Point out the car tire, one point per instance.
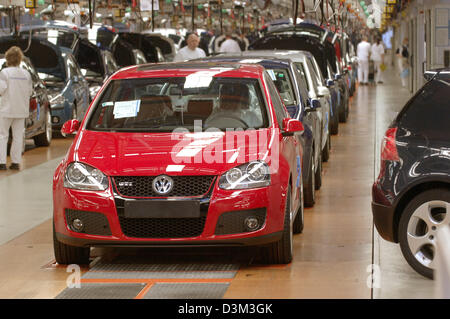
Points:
(45, 138)
(281, 252)
(334, 128)
(310, 186)
(414, 228)
(318, 177)
(326, 150)
(343, 112)
(66, 255)
(299, 220)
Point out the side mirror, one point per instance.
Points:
(322, 91)
(70, 127)
(291, 126)
(313, 105)
(337, 77)
(330, 83)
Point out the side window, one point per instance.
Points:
(314, 74)
(303, 83)
(75, 68)
(318, 71)
(428, 113)
(71, 69)
(279, 108)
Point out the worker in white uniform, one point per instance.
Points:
(16, 88)
(363, 53)
(191, 51)
(230, 45)
(377, 55)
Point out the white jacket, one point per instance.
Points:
(230, 46)
(16, 88)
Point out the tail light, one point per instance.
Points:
(389, 146)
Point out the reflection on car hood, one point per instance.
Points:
(140, 154)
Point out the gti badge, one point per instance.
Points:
(125, 184)
(162, 184)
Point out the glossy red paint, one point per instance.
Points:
(151, 154)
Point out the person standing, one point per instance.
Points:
(191, 51)
(16, 88)
(403, 61)
(377, 55)
(363, 53)
(230, 45)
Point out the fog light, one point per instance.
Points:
(55, 119)
(77, 225)
(251, 223)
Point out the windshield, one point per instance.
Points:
(166, 104)
(282, 80)
(61, 38)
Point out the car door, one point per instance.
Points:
(40, 94)
(79, 86)
(324, 101)
(291, 146)
(309, 118)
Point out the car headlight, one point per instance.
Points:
(57, 100)
(250, 175)
(84, 177)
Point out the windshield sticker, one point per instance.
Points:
(126, 109)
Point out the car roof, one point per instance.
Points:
(183, 69)
(251, 59)
(437, 74)
(294, 55)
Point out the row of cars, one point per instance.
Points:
(225, 150)
(69, 65)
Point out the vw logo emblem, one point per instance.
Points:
(162, 184)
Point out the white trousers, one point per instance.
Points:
(379, 73)
(363, 71)
(18, 130)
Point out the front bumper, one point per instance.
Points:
(220, 202)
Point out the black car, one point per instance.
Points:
(38, 125)
(411, 197)
(96, 64)
(296, 38)
(136, 41)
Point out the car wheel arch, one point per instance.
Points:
(409, 194)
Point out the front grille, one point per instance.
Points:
(183, 186)
(93, 223)
(162, 227)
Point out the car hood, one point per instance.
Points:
(138, 154)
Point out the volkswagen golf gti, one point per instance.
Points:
(181, 154)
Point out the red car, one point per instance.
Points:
(181, 154)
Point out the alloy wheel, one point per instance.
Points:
(422, 228)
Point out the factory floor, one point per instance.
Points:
(333, 257)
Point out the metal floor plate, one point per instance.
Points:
(102, 291)
(158, 275)
(187, 291)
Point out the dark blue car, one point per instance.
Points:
(292, 87)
